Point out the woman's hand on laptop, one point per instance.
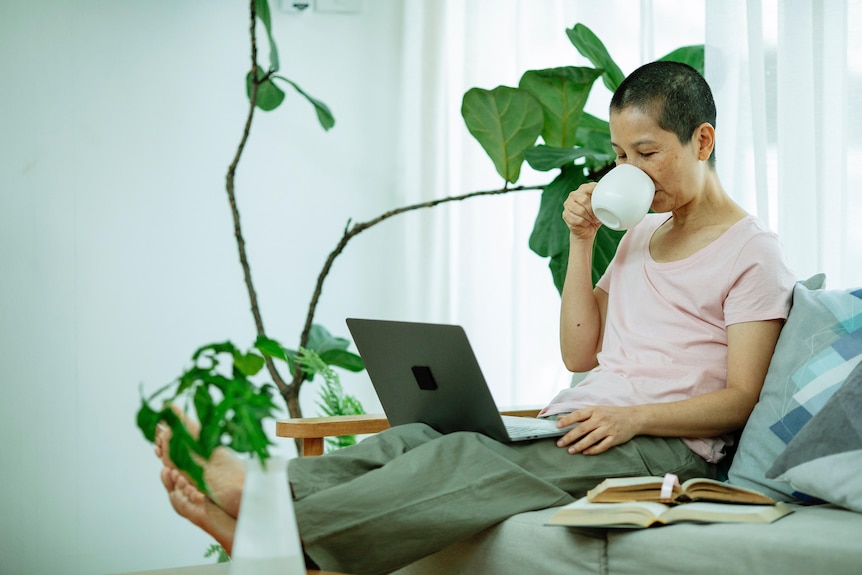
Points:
(598, 428)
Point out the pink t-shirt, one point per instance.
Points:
(666, 328)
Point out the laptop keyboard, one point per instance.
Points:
(527, 426)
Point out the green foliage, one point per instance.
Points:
(261, 8)
(588, 44)
(506, 122)
(576, 143)
(550, 236)
(562, 93)
(324, 116)
(219, 552)
(269, 95)
(331, 349)
(333, 400)
(229, 406)
(692, 55)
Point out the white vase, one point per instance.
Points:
(267, 539)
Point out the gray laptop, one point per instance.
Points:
(428, 373)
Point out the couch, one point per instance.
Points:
(802, 444)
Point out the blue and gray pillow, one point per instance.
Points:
(820, 345)
(825, 457)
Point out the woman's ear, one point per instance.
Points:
(704, 140)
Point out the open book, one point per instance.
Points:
(583, 513)
(620, 489)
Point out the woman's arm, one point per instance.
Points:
(582, 312)
(750, 347)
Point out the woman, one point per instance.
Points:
(695, 299)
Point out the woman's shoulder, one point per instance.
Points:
(751, 234)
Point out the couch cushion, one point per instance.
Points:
(521, 544)
(819, 346)
(818, 539)
(825, 458)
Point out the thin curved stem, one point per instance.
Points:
(352, 231)
(231, 193)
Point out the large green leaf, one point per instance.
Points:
(594, 50)
(247, 434)
(691, 55)
(544, 158)
(550, 234)
(595, 133)
(210, 431)
(324, 115)
(261, 8)
(212, 349)
(550, 237)
(604, 248)
(505, 121)
(148, 419)
(248, 363)
(562, 93)
(320, 340)
(269, 96)
(183, 448)
(270, 348)
(343, 359)
(331, 349)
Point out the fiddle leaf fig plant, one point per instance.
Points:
(572, 141)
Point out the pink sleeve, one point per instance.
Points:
(760, 284)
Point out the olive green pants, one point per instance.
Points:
(409, 491)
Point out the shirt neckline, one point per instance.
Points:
(696, 255)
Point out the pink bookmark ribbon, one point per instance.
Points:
(667, 486)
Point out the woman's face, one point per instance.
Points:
(674, 168)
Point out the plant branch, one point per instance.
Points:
(352, 231)
(231, 194)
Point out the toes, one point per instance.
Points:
(192, 426)
(194, 495)
(168, 478)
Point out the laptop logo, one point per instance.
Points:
(423, 376)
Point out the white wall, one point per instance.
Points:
(118, 122)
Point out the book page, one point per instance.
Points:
(726, 512)
(709, 488)
(583, 507)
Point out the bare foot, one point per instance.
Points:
(190, 503)
(224, 472)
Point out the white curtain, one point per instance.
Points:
(786, 74)
(469, 263)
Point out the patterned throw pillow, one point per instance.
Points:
(819, 346)
(825, 458)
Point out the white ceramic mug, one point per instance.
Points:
(622, 197)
